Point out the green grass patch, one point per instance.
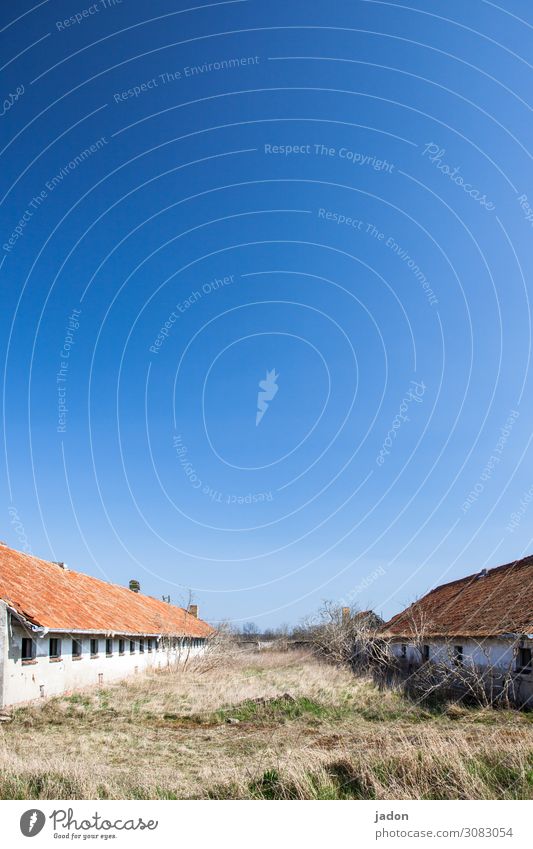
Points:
(338, 780)
(502, 778)
(30, 785)
(280, 710)
(79, 699)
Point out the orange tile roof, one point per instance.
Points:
(49, 596)
(490, 603)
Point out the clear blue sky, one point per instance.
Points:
(334, 199)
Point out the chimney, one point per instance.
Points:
(345, 615)
(193, 610)
(135, 586)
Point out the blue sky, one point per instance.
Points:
(339, 195)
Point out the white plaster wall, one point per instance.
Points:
(493, 652)
(3, 648)
(23, 681)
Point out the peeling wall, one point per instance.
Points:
(3, 649)
(487, 652)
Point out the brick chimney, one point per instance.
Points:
(345, 615)
(193, 610)
(135, 586)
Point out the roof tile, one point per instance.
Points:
(489, 603)
(59, 599)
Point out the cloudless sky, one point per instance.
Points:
(195, 196)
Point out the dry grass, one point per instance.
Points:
(167, 736)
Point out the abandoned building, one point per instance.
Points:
(60, 629)
(482, 622)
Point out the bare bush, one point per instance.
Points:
(448, 676)
(343, 635)
(484, 683)
(220, 650)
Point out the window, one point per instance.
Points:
(404, 650)
(523, 661)
(141, 646)
(76, 648)
(109, 647)
(94, 648)
(121, 646)
(149, 641)
(132, 646)
(425, 653)
(458, 655)
(54, 648)
(28, 649)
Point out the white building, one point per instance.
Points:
(61, 630)
(478, 625)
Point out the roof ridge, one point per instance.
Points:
(70, 571)
(71, 600)
(490, 601)
(512, 564)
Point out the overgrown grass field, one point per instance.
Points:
(261, 726)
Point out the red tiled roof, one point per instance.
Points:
(489, 603)
(47, 595)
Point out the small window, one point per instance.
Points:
(28, 649)
(458, 656)
(404, 650)
(55, 648)
(121, 646)
(132, 646)
(109, 647)
(425, 653)
(141, 646)
(149, 641)
(94, 648)
(523, 661)
(76, 648)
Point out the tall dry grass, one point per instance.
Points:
(228, 730)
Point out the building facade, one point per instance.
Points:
(61, 630)
(479, 625)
